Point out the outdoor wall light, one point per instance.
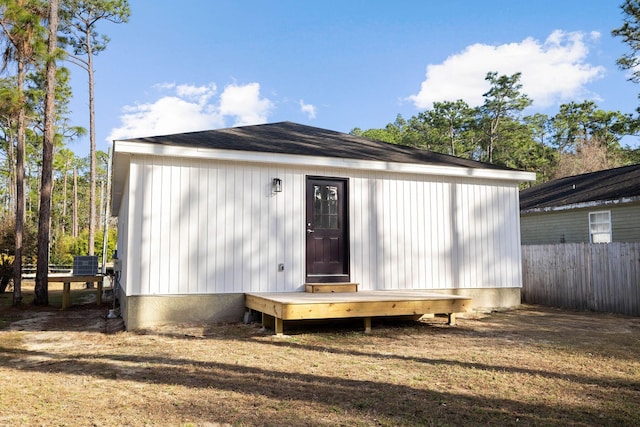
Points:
(276, 185)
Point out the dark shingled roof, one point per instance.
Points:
(293, 138)
(610, 184)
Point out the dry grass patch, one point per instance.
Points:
(534, 366)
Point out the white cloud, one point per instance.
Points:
(553, 71)
(308, 109)
(199, 94)
(245, 104)
(189, 108)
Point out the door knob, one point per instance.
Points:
(309, 231)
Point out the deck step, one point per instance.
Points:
(330, 287)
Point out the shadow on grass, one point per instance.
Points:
(82, 314)
(341, 331)
(395, 403)
(399, 403)
(604, 334)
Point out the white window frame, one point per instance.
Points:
(603, 236)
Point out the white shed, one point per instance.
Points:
(205, 217)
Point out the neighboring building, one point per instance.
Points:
(596, 207)
(204, 217)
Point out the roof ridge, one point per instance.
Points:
(299, 139)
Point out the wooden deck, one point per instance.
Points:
(276, 307)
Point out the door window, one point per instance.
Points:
(325, 207)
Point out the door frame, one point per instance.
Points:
(345, 276)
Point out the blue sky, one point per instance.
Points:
(206, 64)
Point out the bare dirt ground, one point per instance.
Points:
(532, 366)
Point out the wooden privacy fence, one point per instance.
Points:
(598, 277)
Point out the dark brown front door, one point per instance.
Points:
(327, 230)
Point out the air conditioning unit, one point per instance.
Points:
(85, 265)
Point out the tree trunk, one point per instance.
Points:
(12, 173)
(493, 136)
(20, 189)
(44, 223)
(74, 225)
(63, 227)
(452, 140)
(92, 147)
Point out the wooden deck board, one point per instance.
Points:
(330, 287)
(366, 304)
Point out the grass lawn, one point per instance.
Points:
(533, 366)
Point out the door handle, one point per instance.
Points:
(309, 231)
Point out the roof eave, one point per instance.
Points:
(122, 147)
(581, 205)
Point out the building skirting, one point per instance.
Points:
(488, 299)
(141, 312)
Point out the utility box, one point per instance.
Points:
(85, 265)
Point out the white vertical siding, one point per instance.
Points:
(435, 233)
(200, 226)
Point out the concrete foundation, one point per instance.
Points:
(488, 299)
(141, 312)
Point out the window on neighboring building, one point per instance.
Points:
(600, 227)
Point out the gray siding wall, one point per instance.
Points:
(572, 226)
(626, 223)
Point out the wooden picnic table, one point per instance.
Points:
(66, 281)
